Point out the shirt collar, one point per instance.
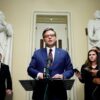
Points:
(53, 49)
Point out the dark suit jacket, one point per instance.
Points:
(61, 65)
(5, 80)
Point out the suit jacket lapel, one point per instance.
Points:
(44, 56)
(56, 56)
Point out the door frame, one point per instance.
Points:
(69, 39)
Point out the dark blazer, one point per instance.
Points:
(61, 65)
(5, 80)
(89, 86)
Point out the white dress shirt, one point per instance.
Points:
(53, 51)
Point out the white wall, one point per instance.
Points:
(20, 14)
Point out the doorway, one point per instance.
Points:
(59, 21)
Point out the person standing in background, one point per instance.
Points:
(97, 72)
(60, 67)
(87, 76)
(5, 80)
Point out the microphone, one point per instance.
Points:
(49, 61)
(46, 69)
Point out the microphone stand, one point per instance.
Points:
(46, 69)
(46, 78)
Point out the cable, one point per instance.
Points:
(46, 93)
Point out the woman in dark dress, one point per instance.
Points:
(86, 76)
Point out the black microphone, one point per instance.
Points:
(49, 61)
(46, 69)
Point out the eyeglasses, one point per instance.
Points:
(51, 35)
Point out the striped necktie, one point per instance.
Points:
(50, 56)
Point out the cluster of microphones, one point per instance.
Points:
(46, 69)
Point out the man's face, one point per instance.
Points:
(92, 56)
(49, 38)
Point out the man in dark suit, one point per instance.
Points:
(60, 67)
(5, 80)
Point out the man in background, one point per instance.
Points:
(5, 80)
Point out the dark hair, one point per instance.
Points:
(88, 62)
(48, 29)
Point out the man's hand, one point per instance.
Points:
(40, 75)
(58, 76)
